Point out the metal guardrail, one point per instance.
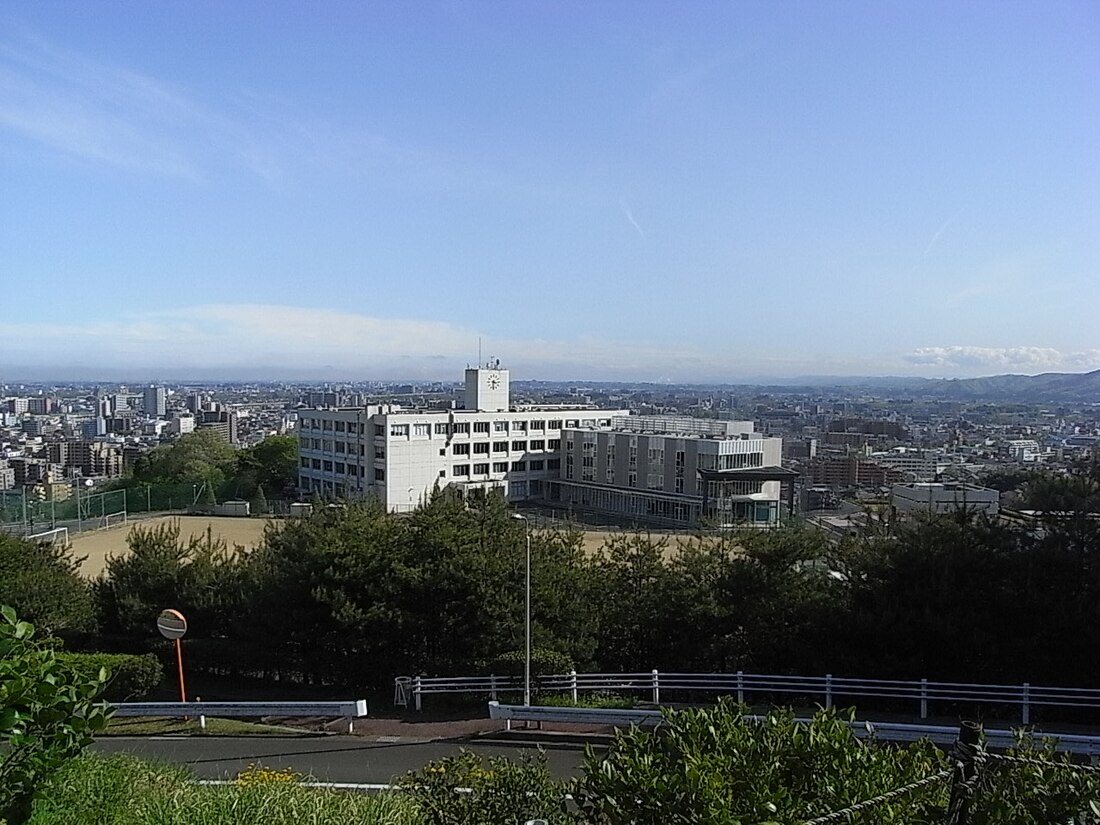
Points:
(997, 739)
(351, 710)
(828, 689)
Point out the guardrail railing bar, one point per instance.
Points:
(828, 687)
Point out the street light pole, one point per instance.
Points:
(527, 612)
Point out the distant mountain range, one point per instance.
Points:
(1046, 387)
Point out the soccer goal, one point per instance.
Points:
(59, 536)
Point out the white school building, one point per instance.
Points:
(400, 455)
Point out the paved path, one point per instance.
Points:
(325, 758)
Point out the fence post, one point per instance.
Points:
(740, 687)
(573, 684)
(656, 687)
(416, 693)
(493, 686)
(1026, 709)
(828, 690)
(965, 754)
(923, 698)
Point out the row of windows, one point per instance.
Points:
(481, 427)
(456, 428)
(483, 447)
(338, 467)
(331, 426)
(463, 470)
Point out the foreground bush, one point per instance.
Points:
(123, 790)
(48, 714)
(465, 790)
(713, 767)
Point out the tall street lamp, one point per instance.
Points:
(527, 613)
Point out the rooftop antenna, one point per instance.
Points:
(479, 352)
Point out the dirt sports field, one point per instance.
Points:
(97, 545)
(246, 532)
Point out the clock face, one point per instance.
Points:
(493, 381)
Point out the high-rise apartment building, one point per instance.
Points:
(155, 401)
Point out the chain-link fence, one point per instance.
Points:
(974, 779)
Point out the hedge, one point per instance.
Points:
(131, 677)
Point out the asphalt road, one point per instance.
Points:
(325, 758)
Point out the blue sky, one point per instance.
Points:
(658, 191)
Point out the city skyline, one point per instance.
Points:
(608, 192)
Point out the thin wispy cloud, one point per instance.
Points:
(628, 213)
(100, 112)
(215, 335)
(936, 237)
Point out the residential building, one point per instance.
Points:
(155, 401)
(223, 421)
(1025, 450)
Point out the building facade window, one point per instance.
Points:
(460, 470)
(481, 469)
(500, 466)
(461, 449)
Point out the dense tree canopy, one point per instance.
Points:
(40, 581)
(355, 595)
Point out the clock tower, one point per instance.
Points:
(487, 388)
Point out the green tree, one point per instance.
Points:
(195, 457)
(48, 714)
(259, 505)
(42, 582)
(272, 464)
(199, 576)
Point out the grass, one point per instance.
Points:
(160, 725)
(124, 790)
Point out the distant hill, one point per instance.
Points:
(1047, 387)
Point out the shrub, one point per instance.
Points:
(129, 677)
(711, 767)
(464, 790)
(544, 662)
(48, 713)
(605, 701)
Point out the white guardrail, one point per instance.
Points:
(827, 689)
(998, 739)
(351, 710)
